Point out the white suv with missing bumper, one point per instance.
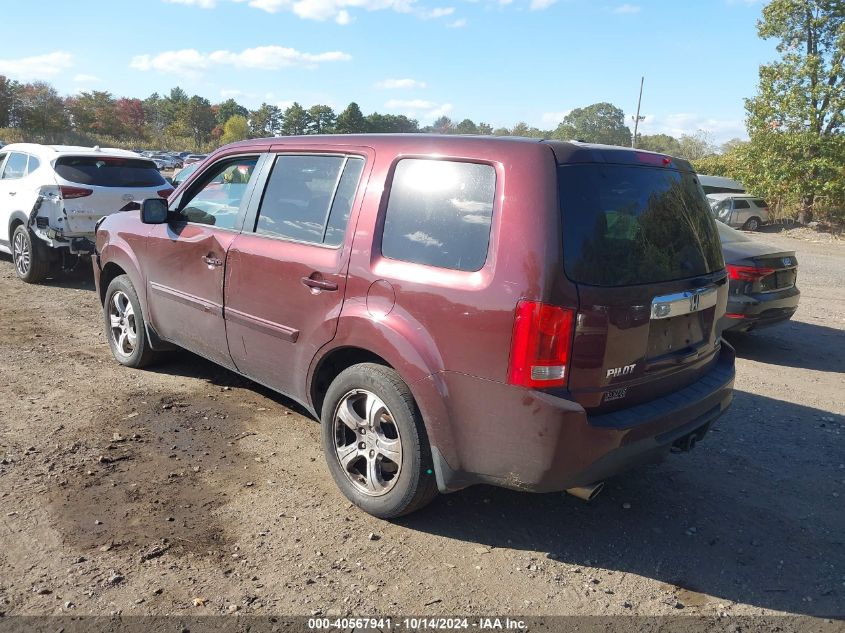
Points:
(51, 197)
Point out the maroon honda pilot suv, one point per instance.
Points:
(538, 315)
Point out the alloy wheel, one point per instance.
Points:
(367, 442)
(22, 254)
(122, 324)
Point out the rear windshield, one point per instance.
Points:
(625, 225)
(109, 172)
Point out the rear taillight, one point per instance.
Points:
(748, 273)
(69, 193)
(542, 338)
(164, 193)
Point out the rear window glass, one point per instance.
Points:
(109, 172)
(760, 203)
(439, 213)
(627, 225)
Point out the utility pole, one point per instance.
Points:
(638, 118)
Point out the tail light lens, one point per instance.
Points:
(748, 273)
(542, 339)
(69, 193)
(164, 193)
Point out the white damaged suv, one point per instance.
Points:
(52, 196)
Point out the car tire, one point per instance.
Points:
(29, 255)
(751, 224)
(384, 464)
(125, 325)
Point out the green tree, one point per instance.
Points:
(390, 124)
(235, 129)
(41, 113)
(295, 121)
(597, 123)
(663, 143)
(485, 128)
(443, 125)
(467, 126)
(695, 146)
(321, 119)
(154, 116)
(797, 119)
(351, 120)
(265, 121)
(229, 108)
(523, 129)
(197, 118)
(9, 96)
(94, 112)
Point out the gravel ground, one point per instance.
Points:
(189, 490)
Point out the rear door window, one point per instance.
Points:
(760, 203)
(309, 198)
(626, 225)
(109, 171)
(15, 166)
(741, 204)
(439, 213)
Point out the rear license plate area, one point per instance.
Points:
(667, 336)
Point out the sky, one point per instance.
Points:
(497, 61)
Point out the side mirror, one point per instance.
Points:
(154, 211)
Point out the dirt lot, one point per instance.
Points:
(189, 490)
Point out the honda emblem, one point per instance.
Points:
(694, 302)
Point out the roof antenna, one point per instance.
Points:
(96, 148)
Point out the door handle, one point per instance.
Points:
(319, 284)
(212, 261)
(13, 193)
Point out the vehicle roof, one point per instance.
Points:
(704, 179)
(565, 151)
(725, 196)
(54, 151)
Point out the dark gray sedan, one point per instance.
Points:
(762, 282)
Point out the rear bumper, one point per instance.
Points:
(543, 443)
(760, 310)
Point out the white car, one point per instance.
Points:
(740, 211)
(51, 197)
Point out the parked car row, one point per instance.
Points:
(171, 160)
(538, 315)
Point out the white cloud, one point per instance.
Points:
(627, 9)
(539, 5)
(426, 111)
(87, 79)
(553, 118)
(38, 66)
(275, 57)
(202, 4)
(321, 10)
(192, 63)
(457, 24)
(681, 123)
(396, 84)
(439, 12)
